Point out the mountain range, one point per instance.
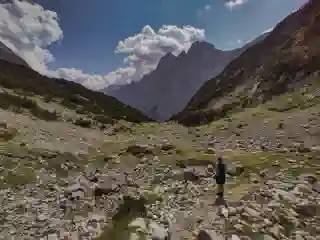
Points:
(287, 59)
(166, 90)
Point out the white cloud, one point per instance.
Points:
(28, 29)
(143, 50)
(95, 82)
(204, 10)
(207, 7)
(231, 4)
(236, 42)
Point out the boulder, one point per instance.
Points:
(208, 235)
(195, 162)
(3, 125)
(308, 210)
(158, 232)
(310, 178)
(235, 169)
(190, 175)
(139, 150)
(302, 189)
(167, 147)
(316, 187)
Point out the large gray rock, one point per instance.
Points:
(235, 169)
(208, 235)
(316, 187)
(309, 177)
(308, 210)
(186, 175)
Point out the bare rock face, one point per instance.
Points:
(165, 91)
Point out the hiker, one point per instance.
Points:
(220, 177)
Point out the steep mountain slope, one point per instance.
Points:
(167, 89)
(8, 55)
(20, 80)
(282, 62)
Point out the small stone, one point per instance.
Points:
(299, 237)
(252, 212)
(235, 237)
(53, 236)
(309, 238)
(210, 151)
(238, 227)
(208, 235)
(275, 230)
(41, 217)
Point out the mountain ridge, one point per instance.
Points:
(15, 77)
(166, 90)
(8, 55)
(273, 66)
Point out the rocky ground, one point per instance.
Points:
(156, 181)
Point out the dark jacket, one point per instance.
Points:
(220, 173)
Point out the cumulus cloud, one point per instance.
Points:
(95, 82)
(231, 4)
(143, 52)
(207, 7)
(204, 10)
(28, 29)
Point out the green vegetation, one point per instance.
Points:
(17, 104)
(302, 98)
(85, 123)
(72, 95)
(24, 176)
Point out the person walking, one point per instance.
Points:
(220, 177)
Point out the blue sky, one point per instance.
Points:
(92, 29)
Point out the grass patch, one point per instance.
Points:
(302, 98)
(17, 103)
(258, 160)
(289, 101)
(23, 176)
(16, 77)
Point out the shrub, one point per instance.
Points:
(44, 114)
(103, 119)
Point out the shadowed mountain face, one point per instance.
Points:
(167, 89)
(8, 55)
(283, 61)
